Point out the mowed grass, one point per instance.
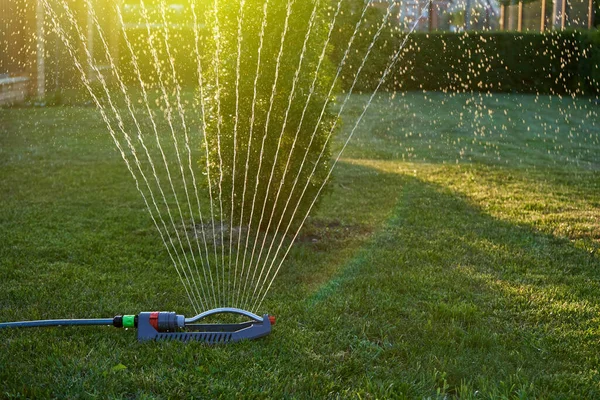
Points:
(456, 255)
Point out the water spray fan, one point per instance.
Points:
(169, 326)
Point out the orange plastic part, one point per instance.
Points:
(154, 320)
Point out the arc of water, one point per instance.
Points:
(203, 119)
(339, 70)
(169, 112)
(330, 134)
(123, 88)
(67, 42)
(235, 131)
(115, 111)
(271, 101)
(182, 116)
(189, 151)
(309, 97)
(394, 59)
(285, 120)
(250, 136)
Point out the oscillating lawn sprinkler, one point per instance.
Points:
(165, 325)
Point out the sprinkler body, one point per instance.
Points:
(169, 326)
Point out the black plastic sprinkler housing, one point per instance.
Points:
(167, 325)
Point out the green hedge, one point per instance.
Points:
(559, 62)
(589, 66)
(554, 62)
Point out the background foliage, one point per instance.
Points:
(544, 63)
(262, 137)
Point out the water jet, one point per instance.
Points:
(262, 171)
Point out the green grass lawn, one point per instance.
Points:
(457, 254)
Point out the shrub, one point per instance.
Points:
(351, 12)
(228, 142)
(543, 63)
(589, 68)
(496, 62)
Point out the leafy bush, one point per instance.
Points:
(262, 135)
(551, 62)
(346, 24)
(589, 68)
(497, 62)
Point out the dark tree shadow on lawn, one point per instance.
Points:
(449, 297)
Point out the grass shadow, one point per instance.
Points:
(449, 295)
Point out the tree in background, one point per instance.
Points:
(250, 129)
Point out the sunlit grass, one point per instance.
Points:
(418, 277)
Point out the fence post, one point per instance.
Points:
(430, 12)
(543, 17)
(591, 14)
(520, 17)
(563, 16)
(502, 16)
(468, 15)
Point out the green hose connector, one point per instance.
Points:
(128, 321)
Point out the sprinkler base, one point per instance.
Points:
(167, 326)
